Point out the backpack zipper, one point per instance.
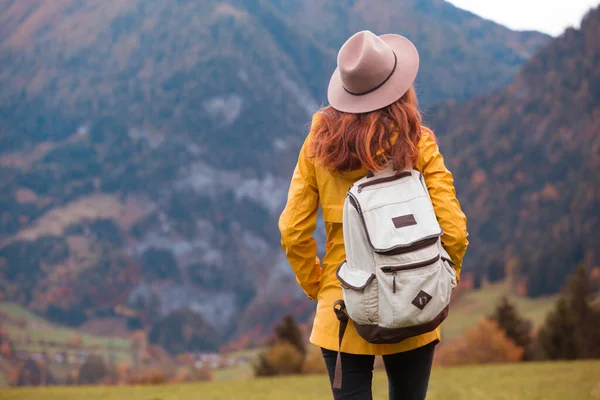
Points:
(420, 264)
(396, 176)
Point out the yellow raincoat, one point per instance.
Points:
(313, 185)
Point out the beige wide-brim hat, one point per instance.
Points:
(373, 72)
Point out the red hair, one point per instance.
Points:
(344, 142)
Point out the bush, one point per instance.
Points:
(192, 374)
(282, 358)
(93, 371)
(287, 352)
(150, 376)
(202, 374)
(314, 363)
(289, 331)
(482, 344)
(181, 375)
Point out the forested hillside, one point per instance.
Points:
(526, 161)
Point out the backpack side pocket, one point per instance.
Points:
(360, 290)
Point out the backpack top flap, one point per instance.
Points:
(395, 209)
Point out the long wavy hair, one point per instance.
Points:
(343, 142)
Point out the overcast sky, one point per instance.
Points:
(549, 16)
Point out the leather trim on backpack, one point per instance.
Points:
(378, 335)
(404, 221)
(398, 175)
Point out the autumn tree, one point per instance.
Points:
(514, 326)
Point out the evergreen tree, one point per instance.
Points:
(592, 342)
(572, 330)
(580, 293)
(557, 339)
(514, 325)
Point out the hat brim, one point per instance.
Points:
(396, 86)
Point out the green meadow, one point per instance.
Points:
(531, 381)
(38, 329)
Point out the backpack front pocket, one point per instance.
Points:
(396, 217)
(360, 290)
(414, 294)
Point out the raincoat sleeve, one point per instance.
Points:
(440, 184)
(297, 224)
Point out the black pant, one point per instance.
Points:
(407, 372)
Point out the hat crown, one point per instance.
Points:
(365, 62)
(373, 72)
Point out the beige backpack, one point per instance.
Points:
(397, 278)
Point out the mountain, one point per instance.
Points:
(146, 147)
(196, 70)
(526, 161)
(452, 42)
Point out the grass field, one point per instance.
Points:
(535, 381)
(44, 330)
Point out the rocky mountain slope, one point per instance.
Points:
(146, 147)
